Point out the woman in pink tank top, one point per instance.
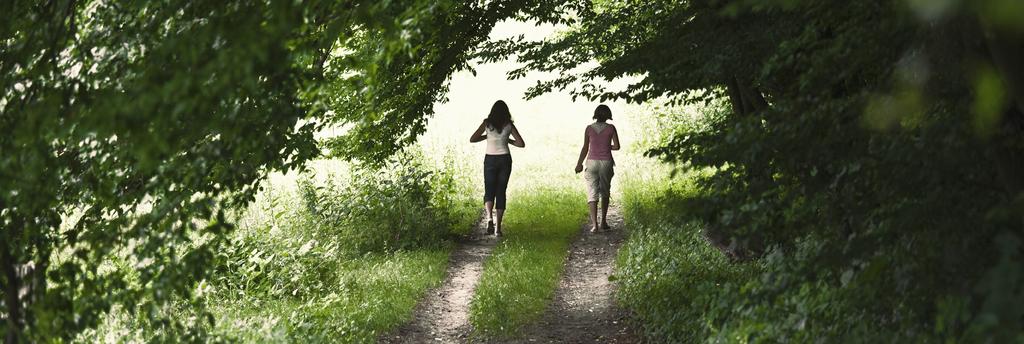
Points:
(599, 140)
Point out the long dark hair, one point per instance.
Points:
(499, 116)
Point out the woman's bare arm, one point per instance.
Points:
(517, 140)
(583, 151)
(479, 135)
(615, 139)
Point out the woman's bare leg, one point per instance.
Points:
(593, 215)
(604, 212)
(497, 223)
(489, 208)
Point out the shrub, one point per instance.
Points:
(400, 205)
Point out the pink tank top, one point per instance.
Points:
(600, 141)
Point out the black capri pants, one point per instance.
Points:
(497, 169)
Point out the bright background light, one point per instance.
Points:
(552, 125)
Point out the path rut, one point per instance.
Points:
(584, 309)
(443, 315)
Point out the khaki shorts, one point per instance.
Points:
(598, 174)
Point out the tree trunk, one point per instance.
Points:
(753, 97)
(1006, 51)
(734, 96)
(744, 97)
(746, 100)
(12, 290)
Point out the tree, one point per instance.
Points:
(132, 128)
(388, 98)
(862, 137)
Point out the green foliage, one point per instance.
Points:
(292, 274)
(403, 68)
(861, 137)
(401, 205)
(868, 154)
(684, 290)
(679, 287)
(143, 122)
(357, 299)
(340, 259)
(130, 128)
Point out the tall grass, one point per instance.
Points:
(339, 257)
(369, 296)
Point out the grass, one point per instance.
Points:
(374, 294)
(288, 276)
(546, 209)
(669, 276)
(294, 279)
(524, 269)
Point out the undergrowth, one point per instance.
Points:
(364, 297)
(669, 276)
(339, 253)
(350, 259)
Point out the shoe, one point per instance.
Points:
(605, 226)
(490, 227)
(593, 229)
(498, 234)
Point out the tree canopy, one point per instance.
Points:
(132, 127)
(872, 147)
(875, 139)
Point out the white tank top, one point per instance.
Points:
(497, 141)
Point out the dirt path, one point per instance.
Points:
(443, 315)
(584, 309)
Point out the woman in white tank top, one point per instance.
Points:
(497, 130)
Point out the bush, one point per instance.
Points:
(326, 257)
(343, 258)
(401, 205)
(685, 289)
